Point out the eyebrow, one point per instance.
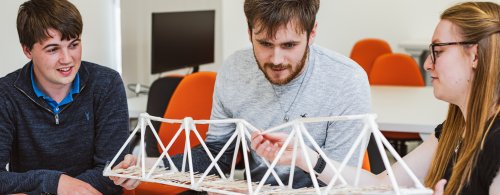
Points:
(75, 40)
(286, 42)
(55, 45)
(50, 45)
(435, 41)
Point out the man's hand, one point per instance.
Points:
(439, 188)
(268, 145)
(70, 185)
(126, 183)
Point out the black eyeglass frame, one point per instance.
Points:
(432, 45)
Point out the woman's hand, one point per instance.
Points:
(439, 188)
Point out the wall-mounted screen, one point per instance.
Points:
(182, 39)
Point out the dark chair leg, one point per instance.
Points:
(376, 163)
(403, 149)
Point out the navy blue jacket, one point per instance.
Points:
(40, 146)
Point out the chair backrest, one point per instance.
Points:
(396, 69)
(192, 98)
(159, 95)
(365, 51)
(366, 162)
(372, 160)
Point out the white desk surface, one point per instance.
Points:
(407, 109)
(402, 109)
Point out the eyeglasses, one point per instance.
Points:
(433, 52)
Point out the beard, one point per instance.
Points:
(293, 71)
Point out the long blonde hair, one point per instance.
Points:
(477, 22)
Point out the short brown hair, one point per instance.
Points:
(35, 17)
(272, 14)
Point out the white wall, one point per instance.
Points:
(98, 38)
(10, 52)
(136, 33)
(234, 27)
(342, 23)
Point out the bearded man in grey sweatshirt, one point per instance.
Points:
(283, 77)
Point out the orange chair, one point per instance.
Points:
(191, 98)
(159, 95)
(128, 192)
(397, 70)
(366, 162)
(366, 51)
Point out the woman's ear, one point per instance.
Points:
(474, 57)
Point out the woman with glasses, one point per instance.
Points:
(464, 152)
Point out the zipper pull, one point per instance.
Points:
(57, 119)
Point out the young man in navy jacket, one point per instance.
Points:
(61, 118)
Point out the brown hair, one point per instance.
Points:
(272, 14)
(35, 17)
(477, 22)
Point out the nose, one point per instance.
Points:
(277, 56)
(428, 65)
(64, 56)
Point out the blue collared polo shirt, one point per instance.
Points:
(75, 88)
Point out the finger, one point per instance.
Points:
(274, 152)
(439, 188)
(256, 141)
(131, 184)
(255, 134)
(120, 181)
(267, 148)
(137, 184)
(258, 149)
(119, 166)
(134, 161)
(261, 149)
(129, 160)
(275, 137)
(113, 178)
(264, 149)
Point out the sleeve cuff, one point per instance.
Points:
(51, 181)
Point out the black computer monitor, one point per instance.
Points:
(182, 39)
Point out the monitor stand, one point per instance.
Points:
(196, 69)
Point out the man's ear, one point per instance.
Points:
(249, 31)
(27, 52)
(313, 33)
(250, 34)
